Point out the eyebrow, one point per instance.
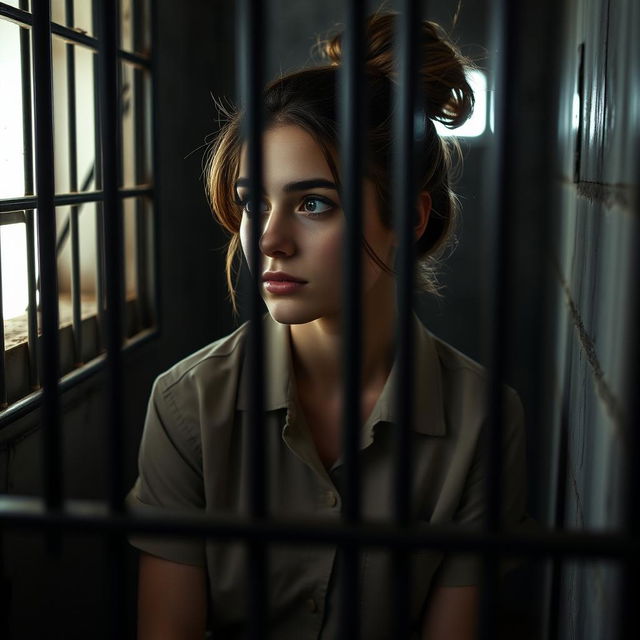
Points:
(301, 185)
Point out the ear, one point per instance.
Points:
(423, 210)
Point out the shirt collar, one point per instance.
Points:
(428, 410)
(277, 368)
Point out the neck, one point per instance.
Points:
(318, 346)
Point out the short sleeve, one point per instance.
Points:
(461, 570)
(170, 475)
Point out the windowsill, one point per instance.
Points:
(17, 363)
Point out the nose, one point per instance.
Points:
(277, 235)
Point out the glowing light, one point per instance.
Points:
(477, 123)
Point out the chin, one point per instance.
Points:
(285, 312)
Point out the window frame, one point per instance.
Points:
(140, 314)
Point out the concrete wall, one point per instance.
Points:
(596, 234)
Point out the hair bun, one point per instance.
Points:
(449, 98)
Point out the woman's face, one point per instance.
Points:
(302, 230)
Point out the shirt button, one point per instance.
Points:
(332, 499)
(312, 605)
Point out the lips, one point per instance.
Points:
(280, 283)
(280, 276)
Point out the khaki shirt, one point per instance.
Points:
(194, 456)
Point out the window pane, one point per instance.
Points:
(58, 13)
(11, 131)
(130, 251)
(128, 125)
(85, 125)
(14, 270)
(83, 15)
(126, 25)
(60, 115)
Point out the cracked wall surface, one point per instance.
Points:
(594, 244)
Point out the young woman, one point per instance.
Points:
(193, 454)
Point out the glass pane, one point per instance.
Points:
(128, 125)
(58, 13)
(85, 99)
(87, 260)
(15, 292)
(147, 176)
(126, 25)
(143, 30)
(60, 115)
(11, 131)
(130, 249)
(83, 15)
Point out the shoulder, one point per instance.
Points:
(208, 375)
(465, 385)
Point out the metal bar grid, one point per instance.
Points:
(95, 517)
(64, 199)
(350, 534)
(25, 18)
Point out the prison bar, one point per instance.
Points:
(73, 187)
(249, 23)
(108, 89)
(27, 146)
(504, 45)
(19, 512)
(43, 109)
(409, 119)
(351, 125)
(98, 181)
(140, 146)
(625, 546)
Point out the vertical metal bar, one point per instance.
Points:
(108, 20)
(43, 93)
(250, 20)
(351, 130)
(410, 112)
(100, 293)
(27, 141)
(505, 30)
(73, 187)
(142, 259)
(113, 235)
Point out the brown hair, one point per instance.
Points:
(307, 98)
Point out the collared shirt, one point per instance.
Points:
(194, 456)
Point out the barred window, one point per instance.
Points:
(78, 188)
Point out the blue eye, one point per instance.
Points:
(315, 205)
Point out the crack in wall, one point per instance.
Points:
(604, 391)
